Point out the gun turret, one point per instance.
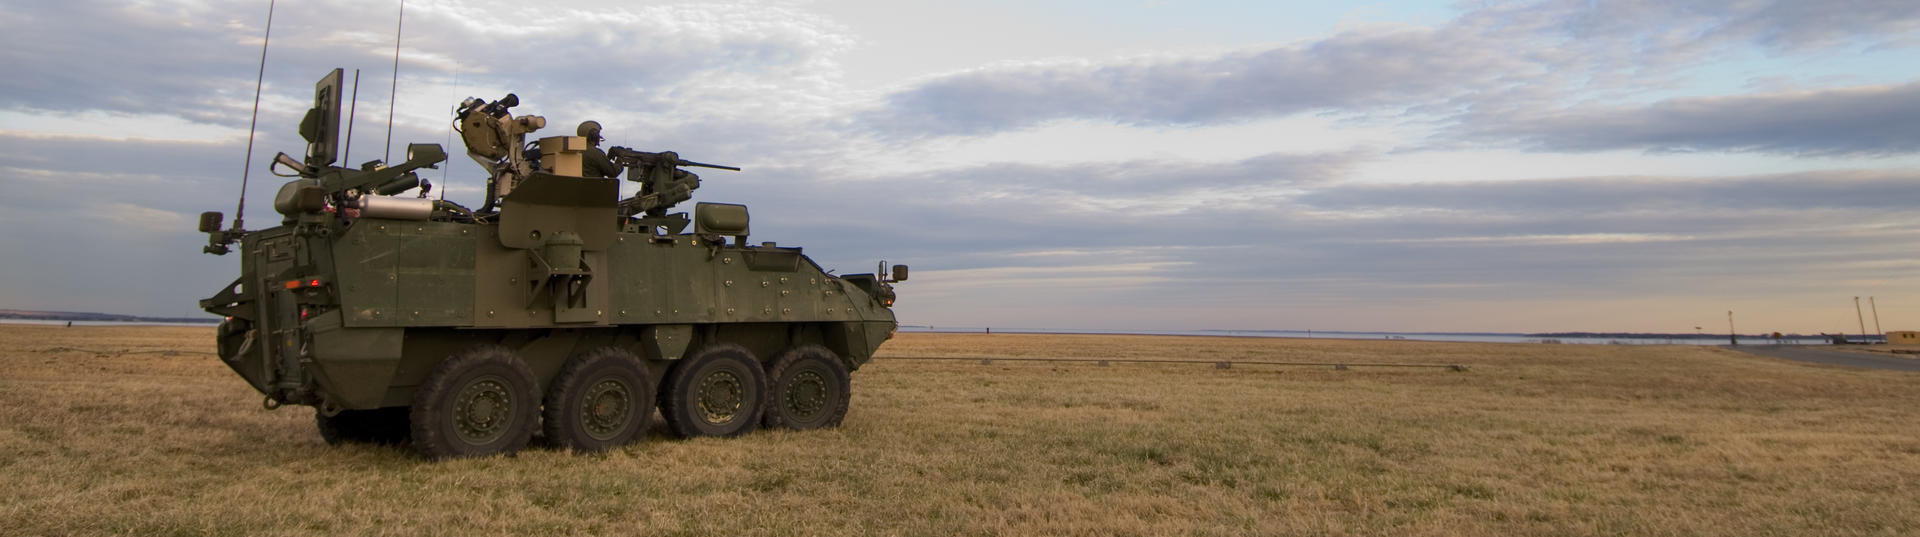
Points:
(662, 183)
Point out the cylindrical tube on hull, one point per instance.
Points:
(396, 208)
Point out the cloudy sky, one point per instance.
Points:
(1394, 165)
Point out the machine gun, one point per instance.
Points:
(662, 183)
(629, 158)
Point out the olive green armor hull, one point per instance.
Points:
(395, 297)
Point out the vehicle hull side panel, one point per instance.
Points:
(434, 270)
(354, 366)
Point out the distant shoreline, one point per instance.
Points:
(77, 316)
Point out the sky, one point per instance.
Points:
(1488, 166)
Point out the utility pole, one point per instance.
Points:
(1731, 338)
(1876, 317)
(1858, 317)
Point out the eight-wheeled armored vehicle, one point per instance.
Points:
(556, 306)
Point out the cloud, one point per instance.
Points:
(1879, 190)
(1652, 25)
(198, 60)
(1859, 121)
(1379, 67)
(1273, 241)
(138, 218)
(1514, 58)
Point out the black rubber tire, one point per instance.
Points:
(808, 388)
(614, 382)
(488, 372)
(384, 426)
(721, 380)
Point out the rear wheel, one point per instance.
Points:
(808, 388)
(479, 402)
(600, 400)
(717, 392)
(385, 426)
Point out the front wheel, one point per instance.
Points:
(480, 402)
(808, 388)
(717, 392)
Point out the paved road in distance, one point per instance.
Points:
(1830, 357)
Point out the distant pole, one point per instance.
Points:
(1858, 317)
(1876, 317)
(1731, 338)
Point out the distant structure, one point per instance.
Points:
(1903, 337)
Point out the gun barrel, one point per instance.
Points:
(627, 157)
(704, 165)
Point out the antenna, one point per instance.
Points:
(456, 97)
(347, 155)
(240, 212)
(393, 91)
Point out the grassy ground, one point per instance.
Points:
(137, 430)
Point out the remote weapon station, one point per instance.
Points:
(555, 307)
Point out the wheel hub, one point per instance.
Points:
(606, 409)
(720, 396)
(482, 409)
(807, 395)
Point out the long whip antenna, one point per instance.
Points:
(393, 92)
(240, 212)
(456, 97)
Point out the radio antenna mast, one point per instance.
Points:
(240, 212)
(456, 97)
(347, 156)
(393, 92)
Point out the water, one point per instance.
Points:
(1412, 336)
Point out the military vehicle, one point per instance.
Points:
(556, 306)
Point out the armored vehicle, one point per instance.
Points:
(555, 307)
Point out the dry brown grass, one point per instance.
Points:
(137, 431)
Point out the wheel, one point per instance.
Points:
(602, 399)
(482, 401)
(387, 426)
(717, 392)
(808, 388)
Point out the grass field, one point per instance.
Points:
(139, 430)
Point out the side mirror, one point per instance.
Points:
(210, 221)
(899, 273)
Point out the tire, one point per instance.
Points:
(479, 402)
(600, 400)
(384, 426)
(808, 388)
(718, 392)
